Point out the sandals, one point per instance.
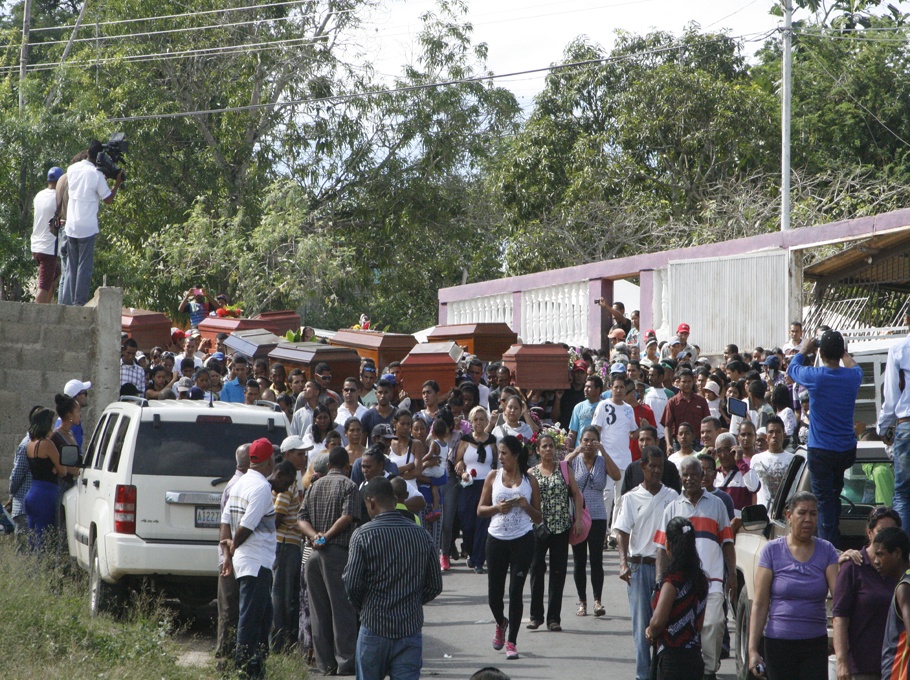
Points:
(582, 609)
(534, 625)
(599, 609)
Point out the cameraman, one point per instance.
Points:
(87, 188)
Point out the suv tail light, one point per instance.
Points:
(125, 509)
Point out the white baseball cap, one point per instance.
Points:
(291, 443)
(74, 387)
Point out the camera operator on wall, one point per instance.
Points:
(87, 186)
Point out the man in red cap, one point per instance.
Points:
(682, 332)
(248, 542)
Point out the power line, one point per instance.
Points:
(148, 34)
(425, 86)
(64, 27)
(164, 56)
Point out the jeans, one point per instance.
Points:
(558, 547)
(285, 596)
(63, 293)
(902, 472)
(254, 623)
(594, 543)
(639, 591)
(796, 659)
(398, 658)
(450, 493)
(508, 558)
(473, 528)
(826, 470)
(79, 264)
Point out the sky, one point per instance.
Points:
(533, 33)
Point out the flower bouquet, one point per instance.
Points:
(229, 312)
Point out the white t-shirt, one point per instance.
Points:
(714, 407)
(45, 205)
(656, 399)
(250, 506)
(87, 188)
(678, 458)
(767, 469)
(639, 522)
(344, 414)
(617, 422)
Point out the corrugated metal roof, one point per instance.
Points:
(872, 260)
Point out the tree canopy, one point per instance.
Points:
(270, 161)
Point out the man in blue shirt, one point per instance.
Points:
(832, 441)
(232, 390)
(583, 413)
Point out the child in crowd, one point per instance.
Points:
(434, 466)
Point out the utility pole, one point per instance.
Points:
(23, 54)
(786, 90)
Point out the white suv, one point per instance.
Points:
(145, 507)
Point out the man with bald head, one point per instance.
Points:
(228, 595)
(249, 554)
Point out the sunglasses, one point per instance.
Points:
(349, 389)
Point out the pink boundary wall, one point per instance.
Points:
(601, 274)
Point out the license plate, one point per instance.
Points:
(208, 517)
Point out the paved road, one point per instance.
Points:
(459, 629)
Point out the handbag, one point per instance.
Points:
(541, 532)
(575, 539)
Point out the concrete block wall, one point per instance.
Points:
(44, 346)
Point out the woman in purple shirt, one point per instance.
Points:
(793, 578)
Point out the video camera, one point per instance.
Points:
(114, 152)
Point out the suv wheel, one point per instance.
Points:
(104, 598)
(743, 619)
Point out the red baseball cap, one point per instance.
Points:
(682, 328)
(260, 451)
(580, 365)
(617, 334)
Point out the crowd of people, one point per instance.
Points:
(662, 451)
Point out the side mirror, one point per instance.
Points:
(755, 518)
(69, 456)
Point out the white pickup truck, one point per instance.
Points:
(145, 508)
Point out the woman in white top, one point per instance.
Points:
(518, 421)
(405, 452)
(780, 402)
(315, 434)
(475, 457)
(511, 498)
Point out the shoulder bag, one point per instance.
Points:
(575, 539)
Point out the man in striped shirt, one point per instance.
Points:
(392, 571)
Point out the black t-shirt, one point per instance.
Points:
(570, 399)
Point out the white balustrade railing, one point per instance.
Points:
(555, 313)
(488, 309)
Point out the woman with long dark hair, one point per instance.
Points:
(511, 499)
(559, 494)
(315, 434)
(593, 469)
(44, 464)
(679, 607)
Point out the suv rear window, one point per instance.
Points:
(195, 449)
